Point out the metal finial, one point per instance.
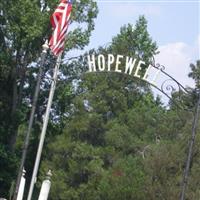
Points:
(45, 46)
(24, 172)
(49, 175)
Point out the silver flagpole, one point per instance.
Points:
(31, 119)
(44, 128)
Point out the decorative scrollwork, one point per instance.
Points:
(160, 67)
(169, 86)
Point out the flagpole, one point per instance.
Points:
(44, 128)
(31, 119)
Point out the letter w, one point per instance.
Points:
(130, 63)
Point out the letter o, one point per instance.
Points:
(101, 62)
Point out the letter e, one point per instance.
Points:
(138, 68)
(118, 62)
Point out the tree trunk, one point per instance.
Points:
(13, 121)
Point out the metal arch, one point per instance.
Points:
(165, 86)
(162, 69)
(168, 87)
(179, 103)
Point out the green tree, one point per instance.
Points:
(112, 118)
(195, 73)
(166, 162)
(24, 25)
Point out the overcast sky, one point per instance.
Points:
(174, 25)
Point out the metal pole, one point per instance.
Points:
(187, 168)
(27, 137)
(45, 123)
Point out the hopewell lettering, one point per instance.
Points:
(123, 64)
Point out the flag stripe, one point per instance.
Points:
(60, 21)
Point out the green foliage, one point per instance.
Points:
(119, 142)
(135, 41)
(24, 26)
(8, 166)
(108, 137)
(195, 73)
(98, 155)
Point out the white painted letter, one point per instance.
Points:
(118, 62)
(111, 60)
(130, 63)
(138, 68)
(101, 62)
(153, 81)
(146, 73)
(91, 63)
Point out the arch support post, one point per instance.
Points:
(190, 151)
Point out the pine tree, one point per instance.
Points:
(112, 119)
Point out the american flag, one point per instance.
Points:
(60, 22)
